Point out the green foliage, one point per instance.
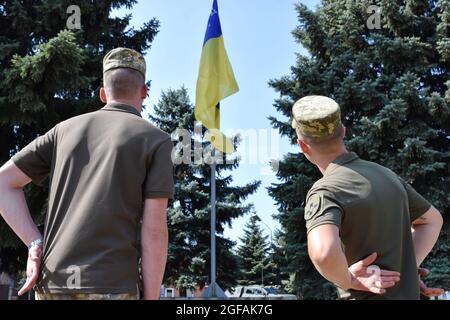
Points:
(279, 260)
(49, 74)
(255, 259)
(189, 216)
(393, 89)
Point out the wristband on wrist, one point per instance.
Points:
(38, 242)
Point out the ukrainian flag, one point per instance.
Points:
(215, 82)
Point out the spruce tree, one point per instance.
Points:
(280, 262)
(393, 88)
(255, 259)
(49, 74)
(188, 263)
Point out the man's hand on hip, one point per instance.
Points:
(366, 277)
(424, 290)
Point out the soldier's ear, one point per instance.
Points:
(144, 92)
(103, 96)
(303, 146)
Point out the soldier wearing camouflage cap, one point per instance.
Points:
(316, 117)
(124, 58)
(360, 213)
(109, 170)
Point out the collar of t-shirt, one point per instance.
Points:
(341, 160)
(121, 108)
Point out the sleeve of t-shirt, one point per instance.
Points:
(418, 205)
(159, 181)
(322, 208)
(35, 160)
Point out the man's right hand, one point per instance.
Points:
(364, 279)
(424, 290)
(33, 267)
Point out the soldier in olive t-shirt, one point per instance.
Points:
(101, 166)
(373, 209)
(360, 208)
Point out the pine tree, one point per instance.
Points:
(280, 262)
(49, 74)
(286, 275)
(393, 88)
(189, 216)
(255, 259)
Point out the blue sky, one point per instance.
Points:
(260, 47)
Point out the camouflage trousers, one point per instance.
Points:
(86, 296)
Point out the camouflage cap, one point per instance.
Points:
(124, 58)
(316, 117)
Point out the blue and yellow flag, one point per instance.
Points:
(215, 82)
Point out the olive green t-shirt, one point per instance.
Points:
(101, 166)
(373, 209)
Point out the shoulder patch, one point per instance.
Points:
(312, 206)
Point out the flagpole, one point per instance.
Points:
(213, 225)
(209, 91)
(213, 290)
(213, 219)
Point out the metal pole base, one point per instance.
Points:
(214, 291)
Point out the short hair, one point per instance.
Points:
(123, 82)
(324, 144)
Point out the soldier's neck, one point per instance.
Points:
(132, 103)
(324, 160)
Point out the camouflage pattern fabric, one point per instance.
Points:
(85, 296)
(124, 58)
(316, 117)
